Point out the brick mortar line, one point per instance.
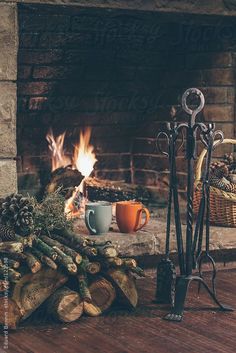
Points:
(8, 158)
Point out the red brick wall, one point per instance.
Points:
(119, 73)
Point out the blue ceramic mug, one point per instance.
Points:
(98, 217)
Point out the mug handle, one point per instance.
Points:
(147, 213)
(87, 215)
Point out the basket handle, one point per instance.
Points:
(202, 155)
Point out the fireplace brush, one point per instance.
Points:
(207, 135)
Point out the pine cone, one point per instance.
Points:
(231, 187)
(16, 211)
(232, 177)
(6, 233)
(228, 159)
(219, 170)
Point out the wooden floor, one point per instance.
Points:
(202, 330)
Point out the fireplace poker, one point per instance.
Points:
(179, 237)
(209, 144)
(166, 273)
(190, 156)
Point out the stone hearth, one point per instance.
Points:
(210, 65)
(150, 242)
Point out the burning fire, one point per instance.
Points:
(56, 145)
(75, 205)
(83, 160)
(84, 157)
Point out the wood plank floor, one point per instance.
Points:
(141, 331)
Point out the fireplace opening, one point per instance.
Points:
(117, 76)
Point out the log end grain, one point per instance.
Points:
(125, 284)
(65, 305)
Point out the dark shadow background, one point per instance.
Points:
(119, 72)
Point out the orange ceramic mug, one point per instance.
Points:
(129, 216)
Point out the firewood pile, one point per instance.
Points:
(39, 254)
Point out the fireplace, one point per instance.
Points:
(119, 71)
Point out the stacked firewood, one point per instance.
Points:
(35, 267)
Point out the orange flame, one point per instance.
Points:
(56, 145)
(84, 157)
(83, 160)
(71, 210)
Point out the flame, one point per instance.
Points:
(84, 157)
(56, 146)
(75, 205)
(83, 160)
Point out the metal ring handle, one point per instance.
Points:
(186, 94)
(219, 140)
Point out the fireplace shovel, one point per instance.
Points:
(166, 273)
(208, 138)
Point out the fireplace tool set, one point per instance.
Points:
(171, 288)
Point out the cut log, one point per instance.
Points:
(61, 239)
(114, 262)
(10, 313)
(107, 251)
(34, 288)
(13, 264)
(33, 262)
(44, 259)
(103, 295)
(9, 273)
(65, 178)
(83, 287)
(75, 240)
(11, 247)
(138, 271)
(130, 263)
(91, 309)
(125, 284)
(26, 241)
(47, 250)
(93, 267)
(68, 251)
(4, 285)
(89, 251)
(65, 305)
(114, 191)
(65, 260)
(118, 262)
(14, 256)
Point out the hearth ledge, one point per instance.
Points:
(151, 240)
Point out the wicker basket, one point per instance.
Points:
(222, 203)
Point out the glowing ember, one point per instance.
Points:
(84, 156)
(56, 145)
(75, 205)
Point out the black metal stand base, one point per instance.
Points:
(182, 285)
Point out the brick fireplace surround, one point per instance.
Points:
(194, 44)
